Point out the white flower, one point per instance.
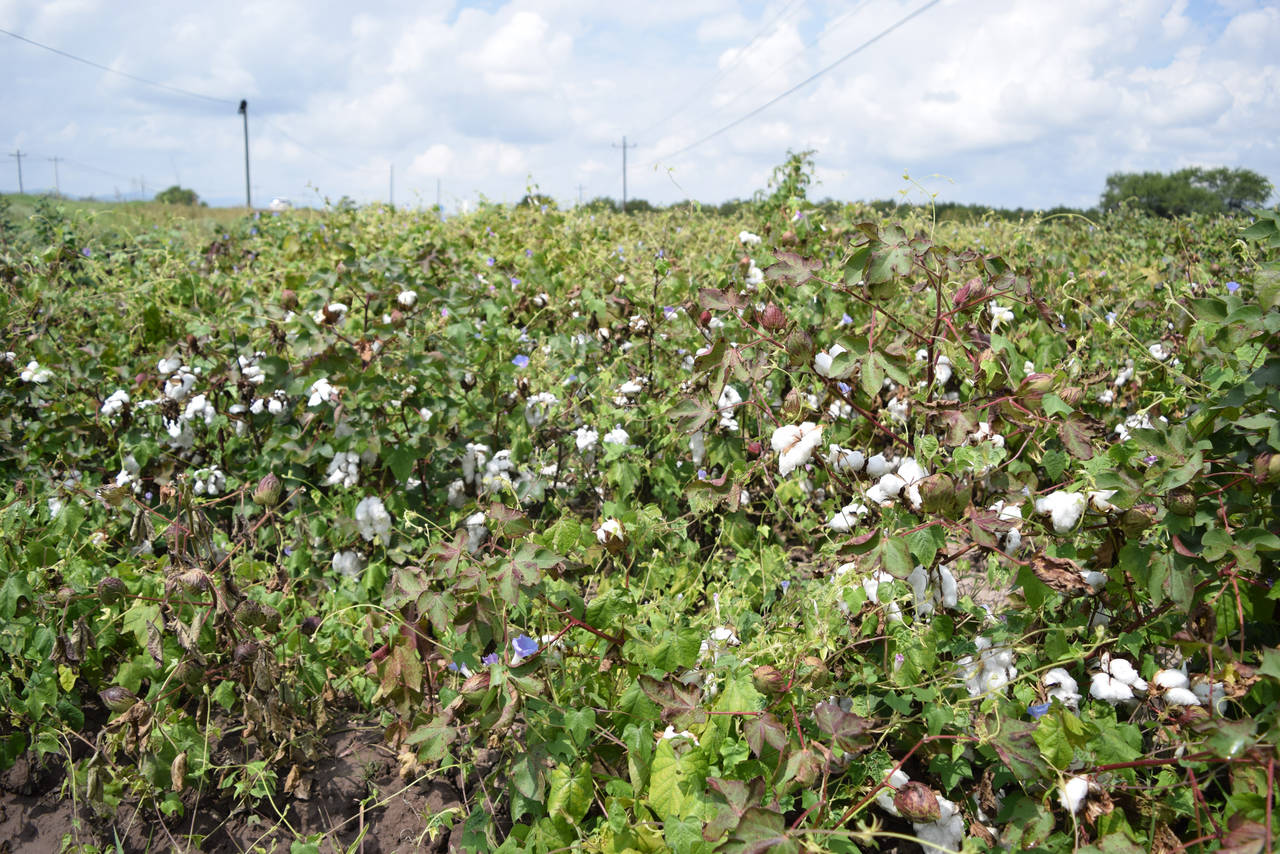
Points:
(1075, 790)
(113, 404)
(1063, 508)
(822, 363)
(795, 444)
(616, 436)
(348, 563)
(718, 641)
(407, 298)
(373, 520)
(585, 438)
(746, 238)
(322, 391)
(999, 315)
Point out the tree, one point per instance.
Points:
(176, 195)
(1187, 191)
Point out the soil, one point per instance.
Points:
(353, 796)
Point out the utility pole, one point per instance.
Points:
(244, 111)
(624, 148)
(18, 154)
(57, 188)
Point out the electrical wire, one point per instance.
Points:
(133, 77)
(758, 110)
(737, 59)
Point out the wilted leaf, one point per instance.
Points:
(791, 268)
(1059, 573)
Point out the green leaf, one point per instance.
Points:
(1054, 405)
(579, 722)
(1055, 463)
(760, 831)
(895, 557)
(925, 543)
(569, 791)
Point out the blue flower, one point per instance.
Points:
(514, 281)
(489, 261)
(528, 253)
(845, 319)
(668, 310)
(85, 252)
(520, 360)
(1038, 710)
(845, 388)
(786, 584)
(1232, 287)
(490, 659)
(524, 646)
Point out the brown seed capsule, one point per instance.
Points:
(816, 671)
(397, 318)
(1137, 519)
(245, 652)
(769, 680)
(111, 590)
(1071, 395)
(793, 403)
(178, 772)
(267, 492)
(249, 613)
(188, 672)
(118, 698)
(799, 347)
(917, 802)
(788, 238)
(288, 299)
(773, 318)
(310, 625)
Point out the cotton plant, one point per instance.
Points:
(538, 408)
(477, 532)
(322, 391)
(348, 563)
(114, 404)
(209, 481)
(250, 370)
(727, 405)
(933, 589)
(1062, 686)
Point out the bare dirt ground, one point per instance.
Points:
(353, 796)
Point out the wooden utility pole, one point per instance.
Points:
(624, 148)
(244, 111)
(18, 154)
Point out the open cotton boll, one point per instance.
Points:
(1167, 679)
(1210, 693)
(947, 832)
(1125, 672)
(942, 370)
(1100, 500)
(844, 459)
(373, 520)
(1104, 686)
(891, 484)
(822, 363)
(878, 465)
(1063, 508)
(1075, 791)
(1180, 697)
(795, 444)
(912, 473)
(477, 533)
(1062, 687)
(848, 516)
(884, 798)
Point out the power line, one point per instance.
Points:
(758, 110)
(110, 70)
(737, 59)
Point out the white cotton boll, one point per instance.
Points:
(276, 404)
(1063, 508)
(899, 409)
(1166, 679)
(610, 528)
(755, 276)
(845, 460)
(585, 438)
(199, 407)
(891, 484)
(1062, 687)
(537, 409)
(1093, 578)
(844, 521)
(348, 563)
(947, 833)
(258, 406)
(1125, 672)
(698, 448)
(876, 495)
(947, 587)
(457, 495)
(474, 457)
(1106, 397)
(322, 391)
(912, 474)
(1103, 686)
(878, 465)
(1075, 790)
(1180, 697)
(942, 370)
(822, 363)
(1158, 352)
(179, 385)
(746, 238)
(344, 470)
(1210, 693)
(1124, 376)
(1100, 500)
(919, 581)
(795, 444)
(113, 404)
(168, 365)
(373, 520)
(477, 533)
(407, 298)
(616, 436)
(1012, 540)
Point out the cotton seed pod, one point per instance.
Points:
(917, 802)
(193, 581)
(249, 613)
(704, 318)
(769, 680)
(65, 594)
(799, 347)
(188, 673)
(111, 590)
(267, 492)
(288, 299)
(310, 625)
(793, 403)
(938, 493)
(397, 318)
(475, 686)
(817, 671)
(773, 318)
(178, 772)
(1181, 502)
(270, 618)
(744, 263)
(1266, 468)
(245, 652)
(788, 238)
(1137, 519)
(1071, 395)
(118, 698)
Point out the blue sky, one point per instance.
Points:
(1006, 102)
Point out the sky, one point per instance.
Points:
(1009, 103)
